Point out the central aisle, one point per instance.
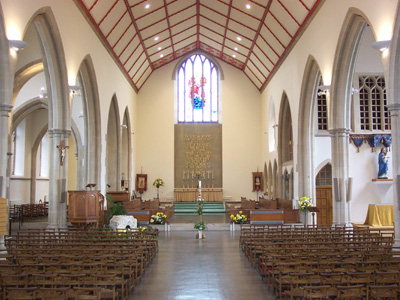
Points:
(214, 268)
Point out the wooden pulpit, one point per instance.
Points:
(84, 208)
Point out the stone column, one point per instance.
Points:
(340, 175)
(5, 110)
(58, 180)
(394, 110)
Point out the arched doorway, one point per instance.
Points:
(323, 183)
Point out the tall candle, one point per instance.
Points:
(199, 184)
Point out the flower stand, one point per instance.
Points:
(200, 235)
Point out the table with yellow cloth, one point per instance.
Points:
(380, 215)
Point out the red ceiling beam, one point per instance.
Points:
(104, 39)
(108, 12)
(285, 8)
(258, 33)
(137, 30)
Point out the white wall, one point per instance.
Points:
(241, 131)
(320, 41)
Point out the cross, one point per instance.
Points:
(62, 148)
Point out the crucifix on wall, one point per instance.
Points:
(62, 148)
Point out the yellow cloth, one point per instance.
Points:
(380, 215)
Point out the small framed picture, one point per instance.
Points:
(258, 182)
(141, 183)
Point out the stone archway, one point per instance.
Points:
(394, 108)
(92, 122)
(55, 71)
(306, 128)
(126, 153)
(5, 105)
(340, 109)
(113, 154)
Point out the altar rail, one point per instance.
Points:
(189, 195)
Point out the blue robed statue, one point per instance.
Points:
(383, 164)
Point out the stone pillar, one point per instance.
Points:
(58, 179)
(340, 175)
(5, 110)
(394, 110)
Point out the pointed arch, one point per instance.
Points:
(276, 180)
(113, 155)
(270, 181)
(340, 107)
(126, 153)
(394, 108)
(285, 136)
(55, 68)
(306, 119)
(272, 128)
(92, 121)
(5, 103)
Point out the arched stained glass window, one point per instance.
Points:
(197, 90)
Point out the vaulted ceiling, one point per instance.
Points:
(251, 35)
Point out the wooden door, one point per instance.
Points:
(324, 204)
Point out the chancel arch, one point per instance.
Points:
(113, 155)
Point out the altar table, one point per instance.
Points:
(380, 215)
(190, 195)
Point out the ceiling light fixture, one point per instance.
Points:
(238, 38)
(156, 38)
(161, 55)
(323, 89)
(248, 6)
(147, 6)
(17, 45)
(159, 48)
(43, 93)
(233, 55)
(236, 48)
(75, 90)
(381, 45)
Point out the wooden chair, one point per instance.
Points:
(25, 293)
(316, 292)
(351, 292)
(382, 292)
(51, 293)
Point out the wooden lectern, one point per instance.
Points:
(313, 210)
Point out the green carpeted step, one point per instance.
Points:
(189, 208)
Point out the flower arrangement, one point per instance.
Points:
(201, 225)
(304, 203)
(239, 218)
(158, 182)
(158, 218)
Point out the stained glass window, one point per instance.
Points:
(197, 90)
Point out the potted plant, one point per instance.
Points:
(114, 209)
(200, 226)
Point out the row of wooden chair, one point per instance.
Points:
(63, 264)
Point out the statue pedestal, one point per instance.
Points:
(383, 186)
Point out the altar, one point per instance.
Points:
(191, 194)
(380, 215)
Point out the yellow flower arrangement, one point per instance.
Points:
(158, 218)
(239, 218)
(304, 203)
(158, 182)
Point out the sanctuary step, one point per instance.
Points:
(190, 208)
